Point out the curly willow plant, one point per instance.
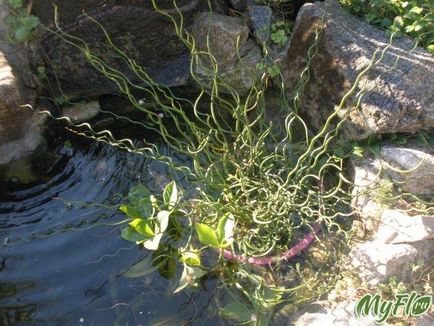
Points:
(257, 193)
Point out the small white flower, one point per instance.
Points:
(142, 101)
(161, 115)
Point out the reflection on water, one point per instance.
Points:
(59, 266)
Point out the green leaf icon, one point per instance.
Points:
(421, 305)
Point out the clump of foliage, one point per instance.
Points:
(280, 32)
(414, 18)
(20, 22)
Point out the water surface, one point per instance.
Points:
(59, 266)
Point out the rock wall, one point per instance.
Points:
(135, 27)
(20, 133)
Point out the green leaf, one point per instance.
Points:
(398, 21)
(418, 27)
(375, 149)
(183, 281)
(41, 72)
(142, 227)
(130, 211)
(195, 273)
(225, 227)
(130, 234)
(338, 152)
(190, 258)
(401, 139)
(189, 275)
(164, 260)
(138, 193)
(170, 195)
(142, 268)
(279, 37)
(153, 201)
(416, 10)
(22, 34)
(409, 29)
(154, 243)
(358, 151)
(237, 311)
(32, 22)
(16, 3)
(163, 221)
(271, 294)
(207, 235)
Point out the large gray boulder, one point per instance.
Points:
(225, 51)
(399, 95)
(136, 28)
(20, 132)
(410, 166)
(400, 235)
(376, 261)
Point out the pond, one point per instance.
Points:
(59, 263)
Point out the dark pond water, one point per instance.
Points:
(51, 274)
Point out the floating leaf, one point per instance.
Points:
(207, 235)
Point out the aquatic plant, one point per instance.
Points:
(253, 189)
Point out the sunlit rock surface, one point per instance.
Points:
(398, 91)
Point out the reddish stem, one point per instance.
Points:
(264, 261)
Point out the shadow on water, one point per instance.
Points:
(58, 266)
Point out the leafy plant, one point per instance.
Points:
(149, 220)
(255, 189)
(272, 69)
(41, 72)
(414, 18)
(280, 32)
(20, 23)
